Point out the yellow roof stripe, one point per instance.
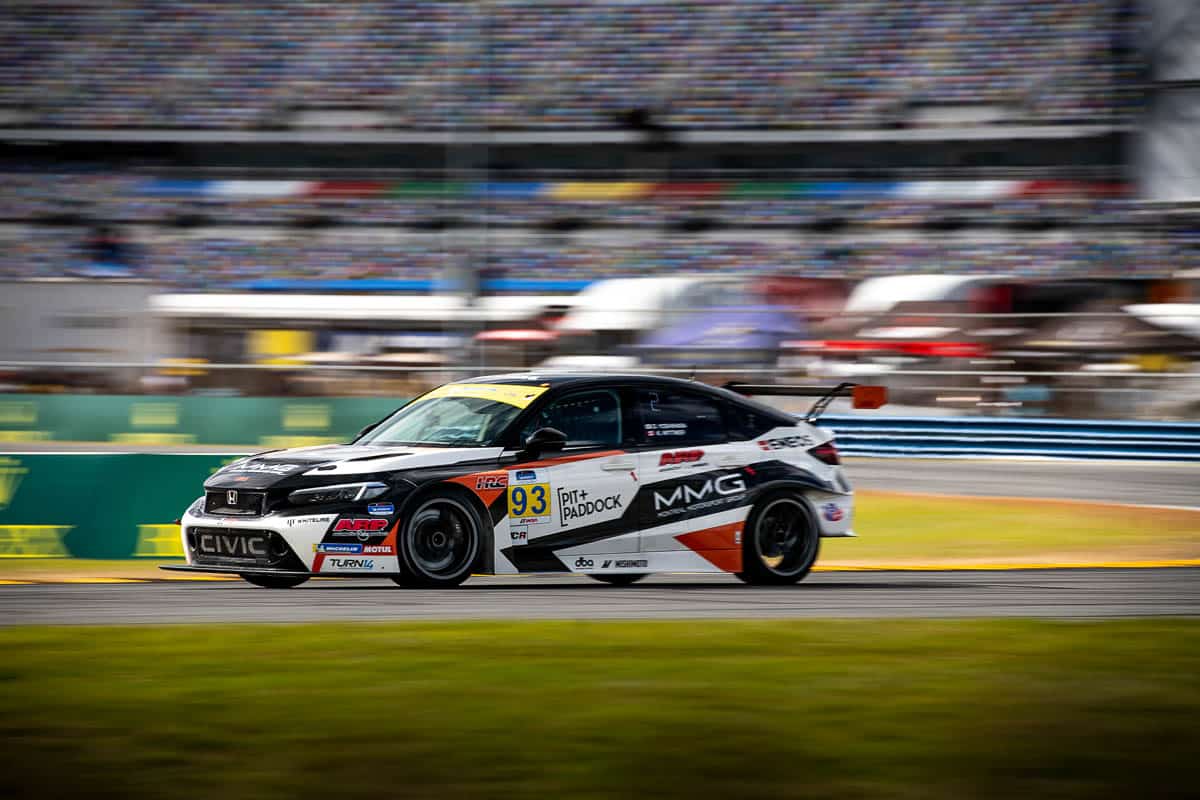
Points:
(511, 393)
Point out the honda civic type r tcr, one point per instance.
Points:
(614, 476)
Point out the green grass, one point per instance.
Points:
(814, 709)
(899, 529)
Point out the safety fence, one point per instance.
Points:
(880, 435)
(147, 420)
(97, 506)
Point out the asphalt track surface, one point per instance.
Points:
(1067, 593)
(1133, 482)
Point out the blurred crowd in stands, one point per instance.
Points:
(556, 63)
(211, 234)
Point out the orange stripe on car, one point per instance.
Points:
(720, 545)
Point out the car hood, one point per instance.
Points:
(327, 462)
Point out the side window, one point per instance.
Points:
(589, 419)
(671, 418)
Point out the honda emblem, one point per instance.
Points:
(231, 497)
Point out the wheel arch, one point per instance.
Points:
(800, 484)
(486, 560)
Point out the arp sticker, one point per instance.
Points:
(680, 457)
(348, 525)
(529, 500)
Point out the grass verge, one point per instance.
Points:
(815, 709)
(918, 529)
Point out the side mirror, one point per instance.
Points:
(545, 440)
(367, 429)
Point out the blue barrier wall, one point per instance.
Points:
(866, 435)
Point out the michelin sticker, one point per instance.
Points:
(381, 509)
(337, 547)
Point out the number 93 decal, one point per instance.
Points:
(529, 500)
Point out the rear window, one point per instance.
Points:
(670, 418)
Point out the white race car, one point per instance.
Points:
(613, 476)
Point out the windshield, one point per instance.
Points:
(455, 415)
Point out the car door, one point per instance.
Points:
(577, 502)
(694, 486)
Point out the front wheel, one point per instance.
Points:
(620, 579)
(274, 581)
(781, 543)
(440, 543)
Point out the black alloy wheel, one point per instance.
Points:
(440, 543)
(781, 541)
(274, 581)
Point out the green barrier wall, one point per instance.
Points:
(149, 420)
(97, 506)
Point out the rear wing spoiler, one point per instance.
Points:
(861, 395)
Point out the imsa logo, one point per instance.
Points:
(692, 496)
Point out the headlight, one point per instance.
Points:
(342, 493)
(196, 507)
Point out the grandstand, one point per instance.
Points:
(520, 64)
(410, 235)
(207, 214)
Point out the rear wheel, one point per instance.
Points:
(274, 581)
(781, 543)
(440, 543)
(619, 580)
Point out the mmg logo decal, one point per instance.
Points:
(693, 496)
(11, 473)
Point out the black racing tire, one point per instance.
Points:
(440, 543)
(620, 579)
(782, 541)
(274, 581)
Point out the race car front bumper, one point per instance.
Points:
(226, 570)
